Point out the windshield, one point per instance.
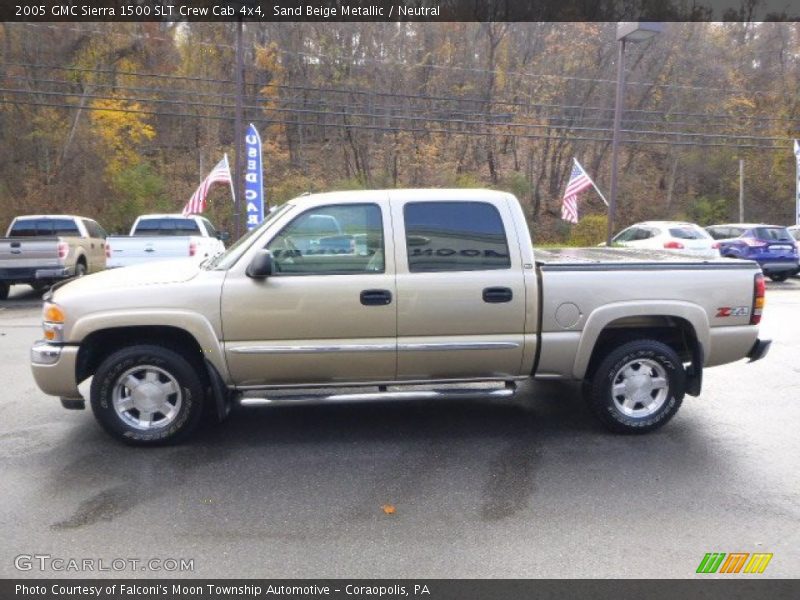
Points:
(232, 254)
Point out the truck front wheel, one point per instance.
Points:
(147, 395)
(638, 387)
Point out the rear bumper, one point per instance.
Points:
(53, 369)
(759, 350)
(789, 266)
(27, 274)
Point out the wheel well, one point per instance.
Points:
(82, 260)
(97, 346)
(675, 332)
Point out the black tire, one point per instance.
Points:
(171, 369)
(39, 287)
(778, 276)
(4, 289)
(629, 412)
(80, 269)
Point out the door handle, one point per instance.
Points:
(496, 295)
(376, 297)
(149, 250)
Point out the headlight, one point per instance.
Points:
(53, 318)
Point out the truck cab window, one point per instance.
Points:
(455, 236)
(339, 239)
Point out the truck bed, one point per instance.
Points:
(601, 258)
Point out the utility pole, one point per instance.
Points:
(741, 190)
(612, 207)
(239, 132)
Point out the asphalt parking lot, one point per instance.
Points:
(527, 488)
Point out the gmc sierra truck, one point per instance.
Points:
(39, 250)
(436, 288)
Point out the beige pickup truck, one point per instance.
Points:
(39, 250)
(384, 290)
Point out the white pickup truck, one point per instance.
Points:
(39, 250)
(166, 237)
(418, 288)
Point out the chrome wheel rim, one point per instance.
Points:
(640, 388)
(147, 397)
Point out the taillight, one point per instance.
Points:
(759, 291)
(673, 245)
(715, 246)
(63, 249)
(192, 248)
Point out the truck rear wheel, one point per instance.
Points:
(147, 395)
(4, 288)
(638, 387)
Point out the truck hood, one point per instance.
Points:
(144, 274)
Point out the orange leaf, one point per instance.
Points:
(388, 509)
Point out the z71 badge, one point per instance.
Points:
(733, 311)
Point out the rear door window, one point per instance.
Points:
(455, 236)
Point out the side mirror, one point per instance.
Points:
(223, 236)
(262, 265)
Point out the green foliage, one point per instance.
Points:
(348, 183)
(137, 190)
(517, 184)
(708, 210)
(287, 188)
(467, 180)
(590, 231)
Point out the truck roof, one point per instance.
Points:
(415, 194)
(167, 216)
(27, 217)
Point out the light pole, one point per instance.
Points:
(635, 31)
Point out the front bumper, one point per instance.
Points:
(53, 368)
(759, 350)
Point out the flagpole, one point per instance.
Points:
(797, 182)
(230, 179)
(594, 185)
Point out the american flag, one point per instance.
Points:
(578, 181)
(219, 174)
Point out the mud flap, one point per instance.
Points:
(694, 374)
(220, 392)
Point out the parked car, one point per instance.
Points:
(39, 250)
(468, 301)
(794, 230)
(771, 246)
(678, 236)
(166, 237)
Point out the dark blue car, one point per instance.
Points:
(771, 246)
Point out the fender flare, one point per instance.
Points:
(191, 322)
(601, 317)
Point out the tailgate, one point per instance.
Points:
(24, 253)
(133, 249)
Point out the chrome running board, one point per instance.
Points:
(442, 394)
